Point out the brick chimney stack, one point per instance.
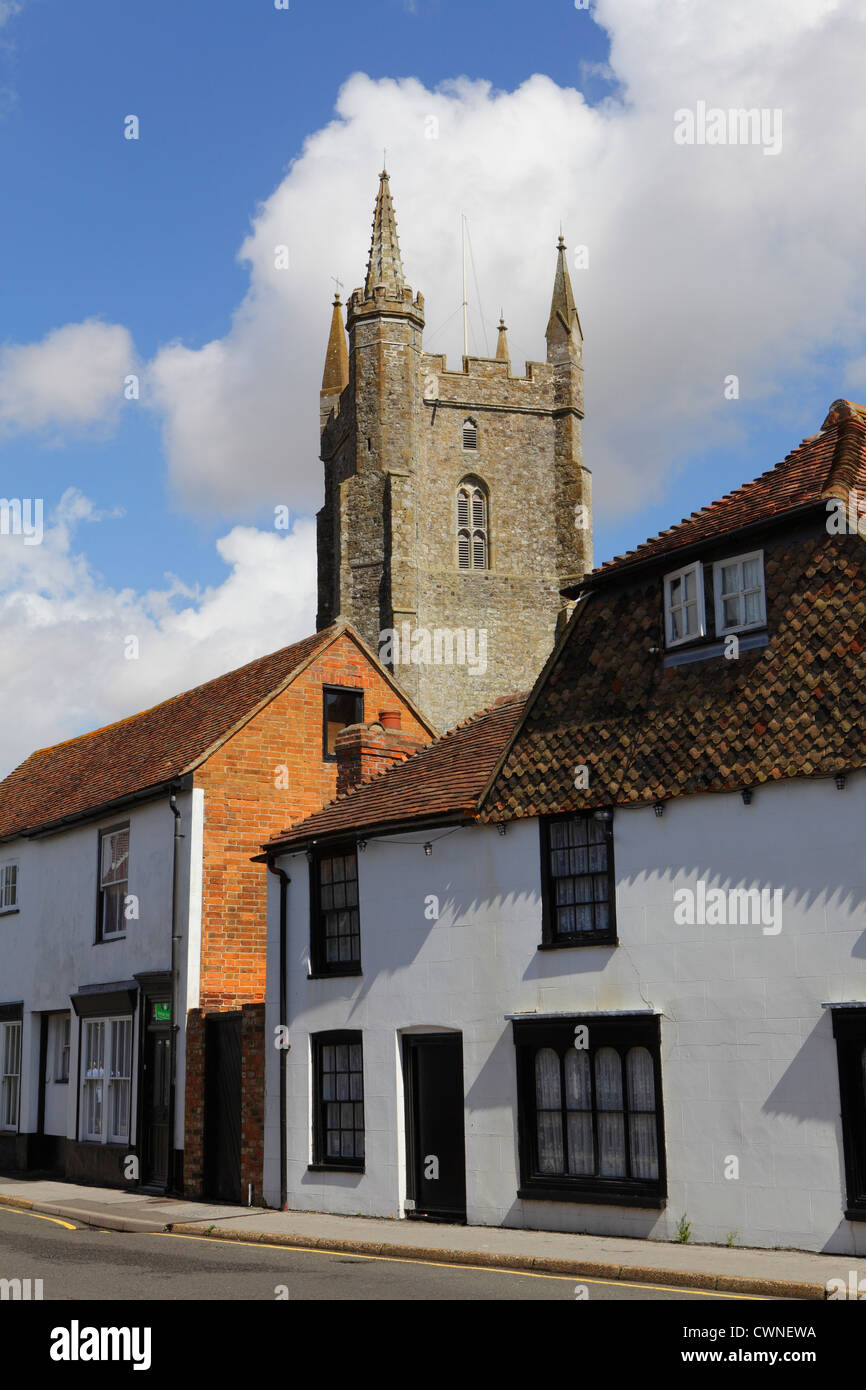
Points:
(365, 750)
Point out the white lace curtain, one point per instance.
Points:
(611, 1114)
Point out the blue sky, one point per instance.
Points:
(146, 234)
(258, 126)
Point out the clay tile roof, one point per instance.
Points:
(446, 777)
(146, 749)
(823, 466)
(795, 707)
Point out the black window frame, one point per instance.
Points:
(849, 1030)
(321, 1160)
(622, 1033)
(551, 938)
(101, 939)
(327, 690)
(320, 965)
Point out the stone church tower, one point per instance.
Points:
(456, 502)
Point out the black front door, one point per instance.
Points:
(436, 1160)
(222, 1107)
(156, 1096)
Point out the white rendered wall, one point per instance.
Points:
(48, 948)
(748, 1058)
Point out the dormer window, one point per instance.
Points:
(470, 435)
(472, 527)
(738, 585)
(685, 616)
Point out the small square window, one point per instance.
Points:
(738, 584)
(685, 615)
(340, 708)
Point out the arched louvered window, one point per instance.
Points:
(472, 527)
(470, 435)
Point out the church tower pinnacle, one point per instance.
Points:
(335, 377)
(384, 266)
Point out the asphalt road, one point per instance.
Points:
(82, 1263)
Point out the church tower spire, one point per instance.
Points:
(563, 327)
(384, 266)
(502, 341)
(335, 377)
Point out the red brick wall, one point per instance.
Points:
(193, 1136)
(252, 1101)
(244, 806)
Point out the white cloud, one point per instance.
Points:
(73, 378)
(704, 261)
(68, 630)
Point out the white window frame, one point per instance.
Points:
(61, 1025)
(10, 1075)
(112, 881)
(697, 570)
(102, 1093)
(7, 903)
(740, 560)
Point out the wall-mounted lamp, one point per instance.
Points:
(309, 856)
(840, 781)
(605, 816)
(746, 794)
(428, 849)
(501, 827)
(659, 808)
(362, 845)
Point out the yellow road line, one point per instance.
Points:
(24, 1211)
(481, 1269)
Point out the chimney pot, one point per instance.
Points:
(389, 718)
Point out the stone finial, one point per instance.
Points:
(335, 377)
(563, 323)
(502, 341)
(384, 267)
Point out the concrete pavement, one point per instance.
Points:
(773, 1273)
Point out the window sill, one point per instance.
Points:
(9, 911)
(703, 649)
(591, 1197)
(581, 945)
(335, 1168)
(106, 940)
(348, 974)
